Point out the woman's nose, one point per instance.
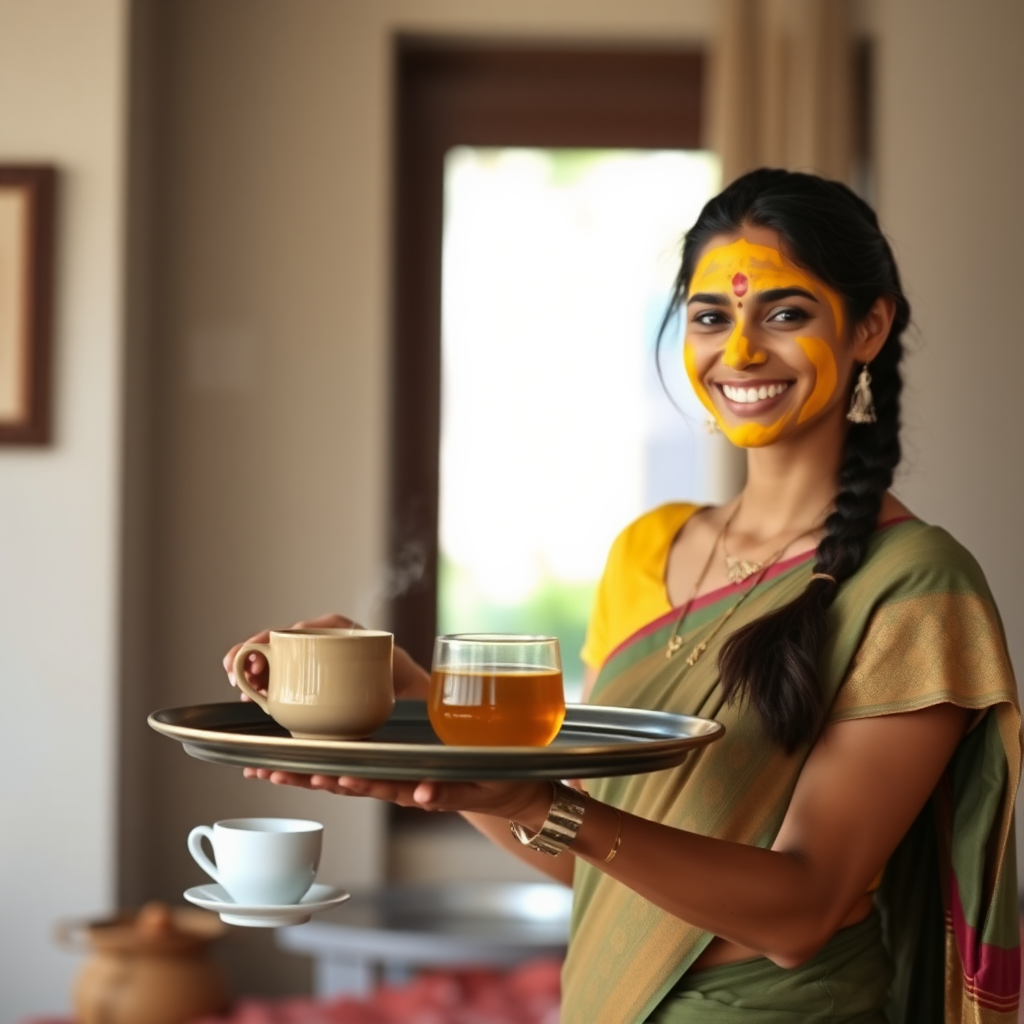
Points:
(738, 352)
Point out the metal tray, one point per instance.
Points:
(594, 742)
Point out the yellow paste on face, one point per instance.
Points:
(742, 268)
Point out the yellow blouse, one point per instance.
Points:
(632, 590)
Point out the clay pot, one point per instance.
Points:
(152, 967)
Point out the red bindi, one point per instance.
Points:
(739, 284)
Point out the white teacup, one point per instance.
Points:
(260, 861)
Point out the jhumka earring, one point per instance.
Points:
(711, 426)
(862, 405)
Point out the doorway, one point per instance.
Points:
(558, 114)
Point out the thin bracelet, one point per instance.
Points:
(618, 837)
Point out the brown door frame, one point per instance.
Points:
(482, 95)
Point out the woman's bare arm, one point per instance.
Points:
(859, 792)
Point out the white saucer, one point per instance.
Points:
(213, 897)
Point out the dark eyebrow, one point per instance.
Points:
(711, 298)
(774, 294)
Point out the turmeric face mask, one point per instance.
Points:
(761, 341)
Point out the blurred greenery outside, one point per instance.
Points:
(554, 608)
(558, 259)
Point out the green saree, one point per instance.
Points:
(915, 626)
(846, 982)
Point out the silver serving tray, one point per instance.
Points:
(594, 742)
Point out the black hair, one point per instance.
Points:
(773, 662)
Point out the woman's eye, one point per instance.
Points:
(790, 314)
(709, 318)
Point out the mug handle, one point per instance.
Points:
(195, 847)
(243, 684)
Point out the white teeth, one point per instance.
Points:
(746, 396)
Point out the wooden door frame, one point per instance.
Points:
(489, 95)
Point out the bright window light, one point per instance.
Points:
(555, 430)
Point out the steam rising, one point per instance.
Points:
(404, 571)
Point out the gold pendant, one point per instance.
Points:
(696, 653)
(673, 645)
(739, 569)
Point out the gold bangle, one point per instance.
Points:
(618, 837)
(823, 576)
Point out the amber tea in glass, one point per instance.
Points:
(496, 689)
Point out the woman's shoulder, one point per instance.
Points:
(915, 626)
(652, 532)
(910, 553)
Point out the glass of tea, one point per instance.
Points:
(496, 690)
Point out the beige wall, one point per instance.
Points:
(951, 148)
(62, 95)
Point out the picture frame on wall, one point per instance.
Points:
(27, 202)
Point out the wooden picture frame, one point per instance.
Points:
(27, 200)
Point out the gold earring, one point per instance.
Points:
(711, 426)
(862, 405)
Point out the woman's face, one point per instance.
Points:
(766, 348)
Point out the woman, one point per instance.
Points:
(845, 852)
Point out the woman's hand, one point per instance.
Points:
(525, 802)
(411, 680)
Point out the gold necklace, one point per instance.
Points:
(675, 641)
(739, 569)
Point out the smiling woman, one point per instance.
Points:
(845, 851)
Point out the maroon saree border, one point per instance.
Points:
(697, 604)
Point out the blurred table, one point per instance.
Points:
(384, 935)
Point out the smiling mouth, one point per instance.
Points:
(753, 395)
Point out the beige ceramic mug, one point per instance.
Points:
(324, 683)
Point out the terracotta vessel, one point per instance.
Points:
(152, 967)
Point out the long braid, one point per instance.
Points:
(774, 662)
(870, 458)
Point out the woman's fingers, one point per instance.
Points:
(391, 790)
(279, 778)
(502, 799)
(256, 672)
(411, 679)
(291, 779)
(379, 789)
(255, 663)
